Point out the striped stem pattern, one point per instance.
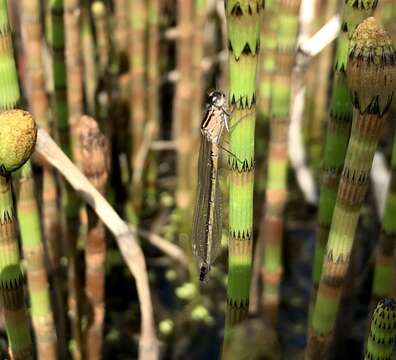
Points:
(382, 334)
(243, 25)
(69, 209)
(337, 135)
(276, 188)
(94, 163)
(384, 270)
(33, 251)
(371, 72)
(18, 133)
(28, 215)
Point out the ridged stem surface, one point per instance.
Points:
(337, 135)
(371, 72)
(276, 186)
(381, 339)
(243, 26)
(72, 24)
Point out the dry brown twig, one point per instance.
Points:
(124, 236)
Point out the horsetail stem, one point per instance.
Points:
(18, 133)
(99, 11)
(89, 60)
(267, 62)
(137, 73)
(69, 208)
(94, 163)
(382, 334)
(28, 213)
(371, 73)
(9, 93)
(383, 270)
(72, 21)
(182, 127)
(33, 251)
(276, 188)
(243, 24)
(338, 132)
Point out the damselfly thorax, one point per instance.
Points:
(216, 117)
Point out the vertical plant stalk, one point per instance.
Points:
(121, 8)
(11, 279)
(72, 23)
(276, 187)
(28, 213)
(89, 59)
(56, 39)
(182, 109)
(243, 24)
(9, 93)
(94, 162)
(33, 251)
(138, 96)
(18, 133)
(198, 43)
(337, 135)
(371, 73)
(99, 12)
(266, 72)
(322, 70)
(384, 269)
(382, 334)
(153, 96)
(267, 59)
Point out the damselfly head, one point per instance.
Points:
(217, 98)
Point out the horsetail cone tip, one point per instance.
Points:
(18, 133)
(98, 8)
(371, 71)
(382, 331)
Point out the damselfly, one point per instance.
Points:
(207, 224)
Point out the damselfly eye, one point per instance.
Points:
(217, 98)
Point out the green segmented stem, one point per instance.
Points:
(276, 187)
(317, 93)
(18, 133)
(267, 59)
(382, 334)
(243, 24)
(11, 278)
(28, 213)
(338, 132)
(69, 208)
(33, 250)
(9, 90)
(383, 271)
(372, 60)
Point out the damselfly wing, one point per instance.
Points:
(207, 222)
